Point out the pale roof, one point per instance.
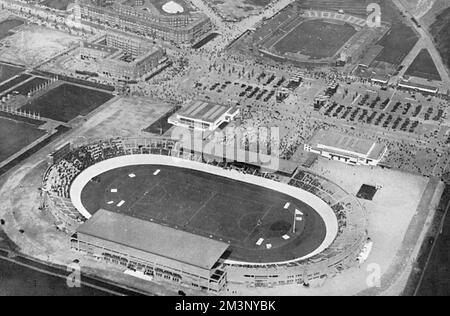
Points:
(204, 111)
(154, 238)
(347, 143)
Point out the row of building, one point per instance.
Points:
(121, 56)
(132, 16)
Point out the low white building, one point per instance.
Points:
(203, 116)
(345, 148)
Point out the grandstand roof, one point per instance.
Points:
(204, 111)
(349, 144)
(418, 86)
(154, 238)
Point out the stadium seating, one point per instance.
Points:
(351, 216)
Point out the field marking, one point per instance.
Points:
(259, 220)
(214, 193)
(137, 202)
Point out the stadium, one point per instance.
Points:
(167, 214)
(316, 37)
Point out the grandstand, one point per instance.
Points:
(275, 37)
(341, 253)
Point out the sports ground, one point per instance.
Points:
(16, 135)
(7, 72)
(7, 25)
(212, 206)
(316, 38)
(67, 101)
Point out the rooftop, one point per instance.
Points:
(204, 111)
(154, 238)
(349, 144)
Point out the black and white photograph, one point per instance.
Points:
(224, 154)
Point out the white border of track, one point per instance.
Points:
(322, 208)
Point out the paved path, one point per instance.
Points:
(425, 41)
(231, 31)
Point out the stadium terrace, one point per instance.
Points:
(252, 261)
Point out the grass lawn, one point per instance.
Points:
(16, 135)
(67, 101)
(316, 38)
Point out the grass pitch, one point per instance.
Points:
(7, 72)
(316, 38)
(211, 206)
(15, 136)
(424, 67)
(7, 25)
(67, 101)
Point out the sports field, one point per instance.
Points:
(7, 72)
(7, 25)
(67, 101)
(316, 38)
(423, 67)
(30, 85)
(211, 206)
(16, 135)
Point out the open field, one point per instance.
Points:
(357, 7)
(316, 38)
(30, 85)
(7, 72)
(16, 135)
(440, 30)
(423, 67)
(206, 204)
(57, 4)
(35, 44)
(13, 82)
(238, 9)
(7, 25)
(397, 43)
(66, 102)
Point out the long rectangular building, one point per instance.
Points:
(157, 252)
(203, 115)
(345, 148)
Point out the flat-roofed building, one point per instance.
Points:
(157, 252)
(345, 148)
(121, 56)
(410, 85)
(203, 115)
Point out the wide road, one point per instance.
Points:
(425, 41)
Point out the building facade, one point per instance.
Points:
(348, 149)
(152, 251)
(123, 57)
(203, 116)
(129, 16)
